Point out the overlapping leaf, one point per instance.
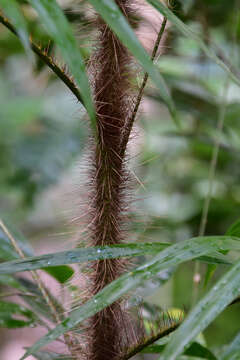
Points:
(188, 32)
(213, 303)
(8, 252)
(172, 256)
(13, 11)
(232, 351)
(59, 29)
(50, 261)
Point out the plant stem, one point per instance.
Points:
(150, 340)
(213, 164)
(48, 60)
(129, 126)
(211, 176)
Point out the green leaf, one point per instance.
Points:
(45, 355)
(213, 303)
(30, 294)
(59, 29)
(35, 299)
(195, 350)
(81, 255)
(10, 281)
(211, 268)
(60, 273)
(9, 313)
(189, 33)
(171, 256)
(13, 11)
(113, 16)
(232, 351)
(7, 252)
(39, 299)
(234, 229)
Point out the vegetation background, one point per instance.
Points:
(43, 134)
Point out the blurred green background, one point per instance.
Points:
(44, 135)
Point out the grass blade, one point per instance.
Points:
(232, 352)
(234, 229)
(112, 15)
(186, 31)
(13, 11)
(8, 252)
(171, 256)
(213, 303)
(59, 29)
(81, 255)
(195, 350)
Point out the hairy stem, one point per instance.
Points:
(111, 69)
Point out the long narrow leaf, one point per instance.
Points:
(186, 31)
(8, 252)
(171, 256)
(234, 229)
(232, 352)
(222, 294)
(59, 29)
(118, 23)
(81, 255)
(13, 11)
(195, 350)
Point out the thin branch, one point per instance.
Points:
(150, 340)
(211, 176)
(140, 94)
(42, 54)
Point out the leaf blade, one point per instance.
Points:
(59, 29)
(13, 11)
(8, 251)
(232, 352)
(222, 294)
(172, 256)
(186, 31)
(81, 255)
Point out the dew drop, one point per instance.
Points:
(113, 15)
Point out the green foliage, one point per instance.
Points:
(40, 140)
(59, 29)
(232, 351)
(49, 261)
(10, 311)
(13, 11)
(172, 256)
(194, 350)
(222, 293)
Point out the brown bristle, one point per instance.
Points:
(110, 68)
